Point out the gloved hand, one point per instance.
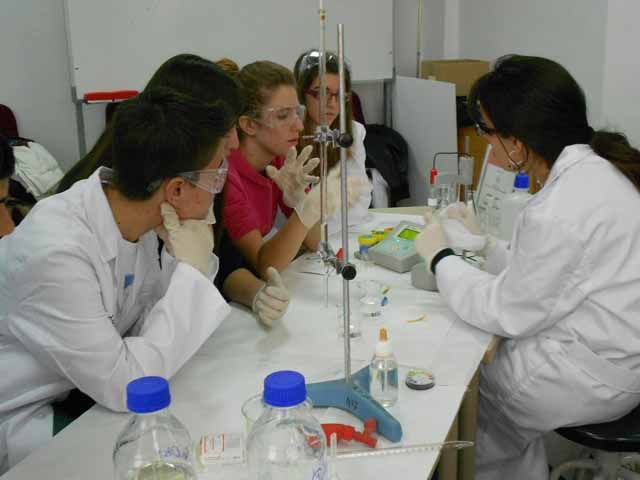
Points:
(294, 176)
(431, 240)
(308, 209)
(464, 214)
(272, 300)
(462, 230)
(189, 241)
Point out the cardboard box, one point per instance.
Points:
(462, 72)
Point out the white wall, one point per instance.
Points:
(433, 32)
(34, 80)
(572, 32)
(621, 91)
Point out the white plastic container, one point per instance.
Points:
(512, 204)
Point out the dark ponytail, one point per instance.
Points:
(615, 147)
(537, 101)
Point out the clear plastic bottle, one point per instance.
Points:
(286, 442)
(383, 372)
(154, 445)
(512, 204)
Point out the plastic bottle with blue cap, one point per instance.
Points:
(286, 441)
(154, 445)
(512, 205)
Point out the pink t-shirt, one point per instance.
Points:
(251, 199)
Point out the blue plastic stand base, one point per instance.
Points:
(354, 398)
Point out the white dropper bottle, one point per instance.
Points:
(383, 372)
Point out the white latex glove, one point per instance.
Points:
(295, 175)
(272, 300)
(462, 230)
(431, 240)
(189, 241)
(308, 209)
(461, 212)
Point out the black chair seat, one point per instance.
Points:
(622, 435)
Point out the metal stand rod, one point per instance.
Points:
(346, 307)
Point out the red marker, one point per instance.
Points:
(109, 96)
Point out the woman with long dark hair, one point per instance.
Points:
(306, 72)
(566, 298)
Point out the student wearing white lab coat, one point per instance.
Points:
(567, 299)
(84, 300)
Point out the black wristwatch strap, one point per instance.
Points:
(3, 200)
(439, 256)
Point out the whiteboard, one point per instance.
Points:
(118, 44)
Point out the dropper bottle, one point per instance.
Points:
(383, 372)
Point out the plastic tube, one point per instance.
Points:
(423, 447)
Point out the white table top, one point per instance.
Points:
(230, 367)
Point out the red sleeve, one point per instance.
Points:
(238, 218)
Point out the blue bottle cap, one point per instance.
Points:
(521, 181)
(148, 394)
(285, 388)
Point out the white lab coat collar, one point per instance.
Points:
(101, 217)
(570, 156)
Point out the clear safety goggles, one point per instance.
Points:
(278, 116)
(483, 130)
(312, 60)
(211, 180)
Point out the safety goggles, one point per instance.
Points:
(278, 116)
(211, 180)
(312, 60)
(315, 93)
(483, 130)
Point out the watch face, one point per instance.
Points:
(419, 379)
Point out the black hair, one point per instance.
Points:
(186, 73)
(537, 101)
(161, 133)
(7, 159)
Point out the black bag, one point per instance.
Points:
(388, 153)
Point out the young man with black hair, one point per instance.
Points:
(7, 167)
(84, 300)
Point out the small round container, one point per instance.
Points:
(251, 409)
(419, 379)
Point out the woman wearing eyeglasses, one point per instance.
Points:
(267, 175)
(308, 86)
(566, 301)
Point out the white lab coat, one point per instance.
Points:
(358, 212)
(63, 323)
(568, 302)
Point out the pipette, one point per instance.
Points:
(418, 448)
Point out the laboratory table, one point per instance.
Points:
(231, 365)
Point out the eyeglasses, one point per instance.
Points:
(315, 93)
(211, 180)
(278, 116)
(482, 130)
